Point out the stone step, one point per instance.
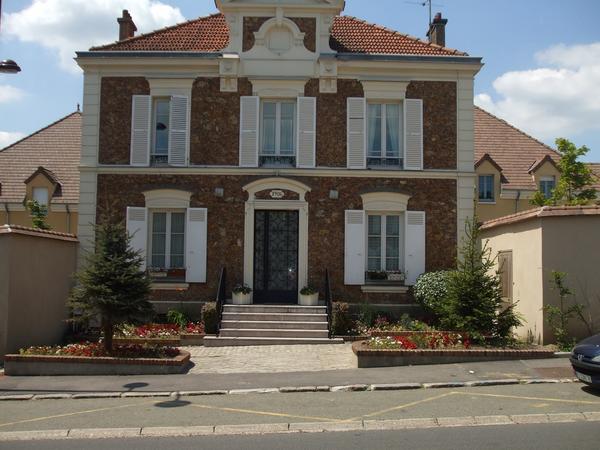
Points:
(275, 309)
(274, 333)
(261, 325)
(212, 341)
(274, 317)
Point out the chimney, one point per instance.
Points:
(127, 28)
(437, 30)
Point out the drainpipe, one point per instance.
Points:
(517, 201)
(7, 213)
(68, 218)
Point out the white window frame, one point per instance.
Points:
(545, 179)
(278, 154)
(383, 131)
(153, 153)
(383, 243)
(46, 195)
(484, 200)
(167, 236)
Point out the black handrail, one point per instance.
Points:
(221, 298)
(328, 302)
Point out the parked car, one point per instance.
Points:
(585, 360)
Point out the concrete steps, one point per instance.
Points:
(272, 325)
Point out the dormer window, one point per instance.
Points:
(486, 188)
(40, 195)
(547, 185)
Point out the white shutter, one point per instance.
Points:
(356, 133)
(137, 228)
(195, 245)
(307, 124)
(414, 245)
(413, 134)
(354, 250)
(141, 116)
(249, 120)
(179, 131)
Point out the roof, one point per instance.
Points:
(28, 231)
(513, 150)
(55, 149)
(596, 171)
(544, 211)
(211, 34)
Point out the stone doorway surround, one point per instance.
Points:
(276, 185)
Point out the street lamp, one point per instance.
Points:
(8, 65)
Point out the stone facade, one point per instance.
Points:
(115, 117)
(308, 26)
(326, 223)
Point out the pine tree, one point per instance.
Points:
(112, 286)
(474, 300)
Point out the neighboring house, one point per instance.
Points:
(595, 167)
(532, 244)
(511, 166)
(44, 167)
(280, 140)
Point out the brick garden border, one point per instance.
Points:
(392, 357)
(184, 339)
(26, 365)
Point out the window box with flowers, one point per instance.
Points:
(395, 277)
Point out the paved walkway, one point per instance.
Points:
(272, 358)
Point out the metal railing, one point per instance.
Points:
(328, 302)
(221, 298)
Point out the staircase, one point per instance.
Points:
(272, 325)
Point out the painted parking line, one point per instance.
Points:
(522, 397)
(266, 413)
(404, 406)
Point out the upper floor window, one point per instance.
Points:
(159, 151)
(486, 188)
(547, 185)
(278, 132)
(40, 195)
(384, 135)
(167, 242)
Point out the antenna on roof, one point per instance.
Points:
(425, 3)
(78, 108)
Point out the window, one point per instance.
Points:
(486, 188)
(40, 195)
(160, 131)
(384, 135)
(278, 133)
(505, 270)
(167, 240)
(547, 185)
(384, 243)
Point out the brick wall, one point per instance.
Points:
(326, 223)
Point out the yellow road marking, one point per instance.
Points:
(266, 413)
(543, 399)
(406, 405)
(37, 419)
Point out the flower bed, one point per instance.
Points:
(161, 334)
(411, 340)
(91, 359)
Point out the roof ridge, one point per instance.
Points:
(408, 36)
(153, 32)
(517, 129)
(56, 122)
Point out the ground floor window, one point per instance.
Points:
(384, 243)
(167, 242)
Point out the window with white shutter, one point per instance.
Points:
(137, 228)
(196, 240)
(249, 121)
(414, 245)
(141, 112)
(413, 134)
(354, 248)
(356, 133)
(307, 124)
(179, 136)
(385, 136)
(278, 136)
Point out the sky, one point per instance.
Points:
(541, 72)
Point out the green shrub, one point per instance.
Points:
(341, 320)
(431, 291)
(209, 317)
(367, 314)
(177, 317)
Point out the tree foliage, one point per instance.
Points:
(112, 285)
(576, 178)
(38, 215)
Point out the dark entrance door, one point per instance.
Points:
(276, 257)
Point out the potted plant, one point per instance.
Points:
(242, 295)
(309, 296)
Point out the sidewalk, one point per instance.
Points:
(557, 368)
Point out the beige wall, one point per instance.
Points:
(58, 220)
(525, 241)
(35, 279)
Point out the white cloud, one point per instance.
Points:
(560, 98)
(8, 137)
(10, 93)
(66, 26)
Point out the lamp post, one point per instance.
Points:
(8, 65)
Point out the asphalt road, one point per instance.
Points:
(580, 436)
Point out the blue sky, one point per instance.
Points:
(541, 73)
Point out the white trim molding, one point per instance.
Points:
(385, 90)
(278, 88)
(266, 184)
(385, 201)
(167, 198)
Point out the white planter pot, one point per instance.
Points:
(242, 299)
(309, 300)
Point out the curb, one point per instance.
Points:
(289, 389)
(302, 427)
